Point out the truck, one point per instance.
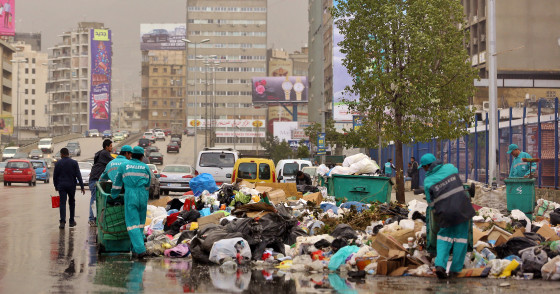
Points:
(177, 130)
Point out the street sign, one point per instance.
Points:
(321, 150)
(356, 122)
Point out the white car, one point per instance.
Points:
(153, 167)
(85, 170)
(9, 152)
(176, 178)
(46, 145)
(286, 169)
(160, 136)
(150, 136)
(118, 136)
(218, 162)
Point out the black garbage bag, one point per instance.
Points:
(307, 188)
(513, 246)
(184, 218)
(555, 217)
(338, 243)
(533, 260)
(322, 244)
(294, 233)
(535, 229)
(417, 215)
(205, 239)
(344, 231)
(186, 235)
(535, 237)
(175, 204)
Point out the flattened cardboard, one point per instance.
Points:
(211, 219)
(471, 272)
(276, 196)
(314, 197)
(263, 189)
(478, 234)
(495, 232)
(484, 225)
(253, 214)
(501, 240)
(399, 272)
(387, 266)
(247, 184)
(384, 243)
(402, 235)
(289, 188)
(548, 233)
(518, 233)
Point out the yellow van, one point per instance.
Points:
(254, 170)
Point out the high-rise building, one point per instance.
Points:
(32, 73)
(70, 79)
(221, 79)
(7, 95)
(33, 39)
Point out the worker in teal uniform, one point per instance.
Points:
(111, 170)
(135, 177)
(520, 169)
(454, 237)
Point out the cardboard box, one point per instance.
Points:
(548, 233)
(161, 202)
(483, 225)
(211, 219)
(253, 214)
(314, 197)
(247, 184)
(384, 243)
(276, 196)
(263, 189)
(471, 272)
(494, 234)
(387, 266)
(399, 272)
(289, 188)
(402, 235)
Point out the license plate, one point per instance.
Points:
(18, 172)
(174, 185)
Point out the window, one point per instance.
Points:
(25, 112)
(33, 60)
(26, 102)
(26, 91)
(155, 69)
(154, 103)
(154, 82)
(33, 81)
(33, 71)
(32, 122)
(26, 122)
(27, 70)
(26, 81)
(247, 170)
(165, 69)
(290, 169)
(33, 112)
(32, 101)
(33, 91)
(165, 113)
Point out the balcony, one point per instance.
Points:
(7, 66)
(6, 82)
(6, 98)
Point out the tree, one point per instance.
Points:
(410, 68)
(302, 150)
(276, 149)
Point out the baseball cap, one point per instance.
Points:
(126, 148)
(427, 159)
(512, 147)
(137, 150)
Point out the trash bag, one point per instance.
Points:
(235, 248)
(307, 189)
(359, 205)
(326, 206)
(344, 231)
(513, 246)
(550, 270)
(205, 238)
(364, 166)
(535, 237)
(181, 250)
(203, 182)
(184, 217)
(337, 244)
(339, 258)
(555, 217)
(322, 170)
(533, 261)
(322, 244)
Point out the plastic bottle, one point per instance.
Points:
(229, 266)
(488, 254)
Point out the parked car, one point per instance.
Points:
(19, 171)
(143, 142)
(35, 154)
(254, 170)
(155, 158)
(150, 136)
(9, 152)
(177, 140)
(74, 148)
(107, 134)
(85, 170)
(160, 136)
(173, 146)
(175, 177)
(217, 162)
(156, 36)
(118, 136)
(46, 145)
(92, 133)
(41, 170)
(286, 169)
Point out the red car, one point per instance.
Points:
(167, 132)
(173, 146)
(19, 171)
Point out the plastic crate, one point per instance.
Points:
(112, 234)
(520, 193)
(361, 188)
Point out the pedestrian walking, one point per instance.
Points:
(519, 169)
(414, 174)
(112, 167)
(448, 201)
(389, 167)
(134, 177)
(66, 173)
(100, 161)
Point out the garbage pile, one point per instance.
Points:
(276, 226)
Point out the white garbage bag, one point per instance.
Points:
(322, 170)
(416, 205)
(518, 215)
(364, 166)
(339, 170)
(229, 248)
(348, 161)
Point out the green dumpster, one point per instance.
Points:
(362, 188)
(112, 235)
(520, 193)
(327, 182)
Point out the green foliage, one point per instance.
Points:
(302, 151)
(276, 149)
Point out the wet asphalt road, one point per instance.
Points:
(37, 257)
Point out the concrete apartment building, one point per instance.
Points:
(6, 51)
(528, 50)
(32, 113)
(130, 115)
(237, 33)
(69, 80)
(33, 39)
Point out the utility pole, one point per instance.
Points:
(492, 93)
(206, 105)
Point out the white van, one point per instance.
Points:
(218, 162)
(9, 152)
(286, 169)
(46, 145)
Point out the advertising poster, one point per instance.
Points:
(162, 36)
(291, 89)
(100, 93)
(280, 68)
(7, 18)
(341, 79)
(6, 125)
(321, 142)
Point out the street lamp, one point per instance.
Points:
(18, 61)
(206, 63)
(187, 89)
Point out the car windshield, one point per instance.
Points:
(36, 151)
(45, 141)
(37, 164)
(216, 159)
(247, 170)
(173, 144)
(73, 144)
(17, 164)
(155, 154)
(290, 169)
(177, 169)
(84, 165)
(10, 151)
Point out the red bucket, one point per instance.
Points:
(55, 201)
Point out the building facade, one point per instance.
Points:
(220, 81)
(69, 80)
(6, 51)
(130, 115)
(33, 39)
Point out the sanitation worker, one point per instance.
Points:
(134, 176)
(519, 169)
(112, 167)
(449, 206)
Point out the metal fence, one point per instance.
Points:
(534, 128)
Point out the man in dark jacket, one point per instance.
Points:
(414, 174)
(303, 178)
(66, 172)
(100, 161)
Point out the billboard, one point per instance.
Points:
(280, 89)
(162, 36)
(341, 79)
(6, 124)
(100, 92)
(228, 123)
(7, 18)
(279, 68)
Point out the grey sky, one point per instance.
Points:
(287, 26)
